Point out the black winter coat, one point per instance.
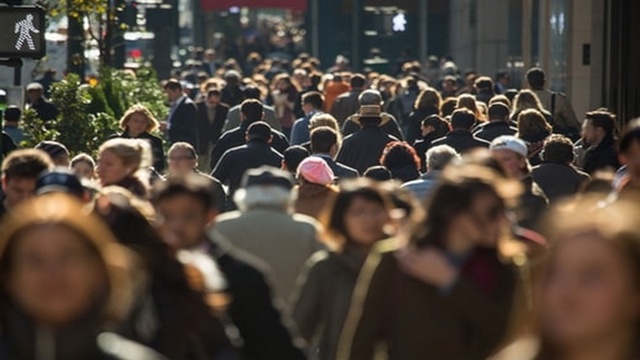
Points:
(237, 137)
(364, 148)
(461, 140)
(237, 161)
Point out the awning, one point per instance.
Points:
(218, 5)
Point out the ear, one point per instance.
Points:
(4, 182)
(334, 149)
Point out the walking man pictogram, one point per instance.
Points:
(25, 27)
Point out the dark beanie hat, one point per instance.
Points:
(53, 148)
(59, 180)
(267, 175)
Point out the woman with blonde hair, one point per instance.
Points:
(527, 99)
(139, 123)
(64, 282)
(125, 163)
(534, 130)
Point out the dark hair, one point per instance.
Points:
(602, 119)
(378, 173)
(54, 149)
(252, 109)
(322, 139)
(631, 136)
(168, 278)
(213, 92)
(26, 163)
(448, 106)
(498, 111)
(192, 185)
(455, 195)
(502, 74)
(463, 119)
(251, 92)
(172, 84)
(536, 78)
(12, 113)
(335, 213)
(484, 83)
(440, 125)
(293, 156)
(558, 149)
(399, 153)
(313, 98)
(357, 81)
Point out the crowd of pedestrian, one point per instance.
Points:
(287, 212)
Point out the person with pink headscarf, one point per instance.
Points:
(316, 187)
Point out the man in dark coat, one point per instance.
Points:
(324, 144)
(364, 148)
(498, 125)
(257, 152)
(557, 177)
(45, 109)
(212, 114)
(597, 132)
(251, 111)
(256, 323)
(348, 103)
(461, 138)
(388, 124)
(181, 124)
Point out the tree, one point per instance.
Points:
(88, 115)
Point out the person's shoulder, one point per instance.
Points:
(350, 138)
(413, 183)
(321, 262)
(227, 218)
(153, 138)
(188, 101)
(305, 221)
(235, 151)
(481, 141)
(439, 141)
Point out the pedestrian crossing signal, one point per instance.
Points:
(23, 31)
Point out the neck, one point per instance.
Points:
(11, 123)
(615, 346)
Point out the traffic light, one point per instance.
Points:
(23, 28)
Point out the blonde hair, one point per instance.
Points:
(132, 152)
(527, 99)
(142, 110)
(324, 119)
